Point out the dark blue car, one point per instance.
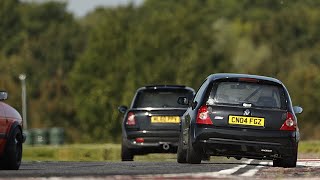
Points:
(240, 116)
(151, 123)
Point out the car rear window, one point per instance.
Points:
(161, 98)
(247, 94)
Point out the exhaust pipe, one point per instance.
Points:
(166, 146)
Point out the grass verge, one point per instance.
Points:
(111, 152)
(84, 152)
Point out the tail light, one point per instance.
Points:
(131, 120)
(289, 124)
(203, 116)
(139, 140)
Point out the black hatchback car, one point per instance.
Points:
(151, 124)
(240, 116)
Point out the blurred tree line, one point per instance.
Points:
(79, 70)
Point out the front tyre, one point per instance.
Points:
(13, 152)
(126, 153)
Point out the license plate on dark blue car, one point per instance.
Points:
(245, 120)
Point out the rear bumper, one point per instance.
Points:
(154, 141)
(248, 143)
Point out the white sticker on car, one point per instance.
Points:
(218, 117)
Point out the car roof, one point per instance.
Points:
(217, 76)
(166, 87)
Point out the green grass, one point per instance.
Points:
(309, 147)
(76, 152)
(111, 152)
(83, 152)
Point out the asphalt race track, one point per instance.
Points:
(221, 168)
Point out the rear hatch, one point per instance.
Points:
(158, 109)
(251, 105)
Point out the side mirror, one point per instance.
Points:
(3, 95)
(123, 109)
(297, 109)
(183, 101)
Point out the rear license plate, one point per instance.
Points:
(244, 120)
(165, 119)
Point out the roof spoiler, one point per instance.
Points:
(164, 86)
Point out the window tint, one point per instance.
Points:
(238, 93)
(161, 98)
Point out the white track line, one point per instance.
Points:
(253, 171)
(309, 160)
(229, 172)
(309, 163)
(235, 169)
(222, 173)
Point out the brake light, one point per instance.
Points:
(139, 140)
(203, 116)
(249, 80)
(289, 124)
(131, 120)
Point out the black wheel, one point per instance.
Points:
(193, 157)
(13, 151)
(126, 153)
(287, 162)
(276, 163)
(206, 157)
(181, 153)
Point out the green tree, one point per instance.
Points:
(90, 66)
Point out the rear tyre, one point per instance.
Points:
(181, 153)
(13, 151)
(206, 157)
(193, 157)
(287, 162)
(277, 163)
(126, 153)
